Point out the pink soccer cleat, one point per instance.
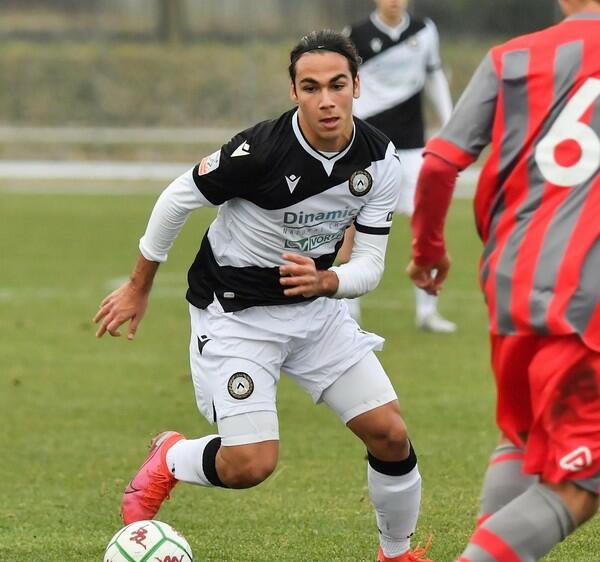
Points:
(153, 482)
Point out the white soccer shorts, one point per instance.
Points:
(236, 357)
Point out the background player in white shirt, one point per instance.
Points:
(400, 60)
(264, 296)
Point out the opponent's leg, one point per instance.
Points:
(532, 524)
(504, 479)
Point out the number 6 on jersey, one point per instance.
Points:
(568, 127)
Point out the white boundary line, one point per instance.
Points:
(126, 171)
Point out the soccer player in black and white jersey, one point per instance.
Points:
(264, 296)
(400, 61)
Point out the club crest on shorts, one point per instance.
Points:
(360, 183)
(240, 386)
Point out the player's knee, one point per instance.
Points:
(391, 440)
(396, 437)
(582, 503)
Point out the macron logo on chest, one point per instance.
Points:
(292, 181)
(242, 150)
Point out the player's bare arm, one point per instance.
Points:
(128, 302)
(301, 277)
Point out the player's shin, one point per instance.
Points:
(395, 490)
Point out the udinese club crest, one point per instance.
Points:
(240, 386)
(360, 183)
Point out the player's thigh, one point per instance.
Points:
(227, 378)
(362, 388)
(326, 345)
(564, 440)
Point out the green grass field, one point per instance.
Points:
(77, 412)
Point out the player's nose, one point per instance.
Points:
(326, 99)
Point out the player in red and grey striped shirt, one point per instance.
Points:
(536, 100)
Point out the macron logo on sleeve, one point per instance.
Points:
(242, 150)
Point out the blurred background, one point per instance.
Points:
(167, 80)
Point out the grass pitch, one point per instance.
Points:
(78, 412)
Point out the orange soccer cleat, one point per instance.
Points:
(153, 482)
(416, 555)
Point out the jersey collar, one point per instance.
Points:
(327, 163)
(393, 32)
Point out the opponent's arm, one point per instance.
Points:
(430, 263)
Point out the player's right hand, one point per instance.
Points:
(430, 277)
(127, 302)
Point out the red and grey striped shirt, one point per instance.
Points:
(536, 100)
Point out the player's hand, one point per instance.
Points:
(430, 278)
(128, 302)
(302, 278)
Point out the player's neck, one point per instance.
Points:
(389, 20)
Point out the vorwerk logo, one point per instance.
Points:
(312, 242)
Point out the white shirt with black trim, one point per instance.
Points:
(276, 193)
(397, 63)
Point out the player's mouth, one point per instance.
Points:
(329, 122)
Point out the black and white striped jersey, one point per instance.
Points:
(277, 194)
(396, 61)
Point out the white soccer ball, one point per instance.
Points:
(148, 541)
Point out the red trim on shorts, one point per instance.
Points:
(494, 545)
(463, 559)
(508, 457)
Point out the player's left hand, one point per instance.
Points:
(430, 278)
(301, 277)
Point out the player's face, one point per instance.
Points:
(391, 11)
(324, 91)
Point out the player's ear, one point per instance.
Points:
(356, 87)
(293, 94)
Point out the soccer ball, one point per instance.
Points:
(148, 541)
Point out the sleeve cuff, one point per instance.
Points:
(449, 152)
